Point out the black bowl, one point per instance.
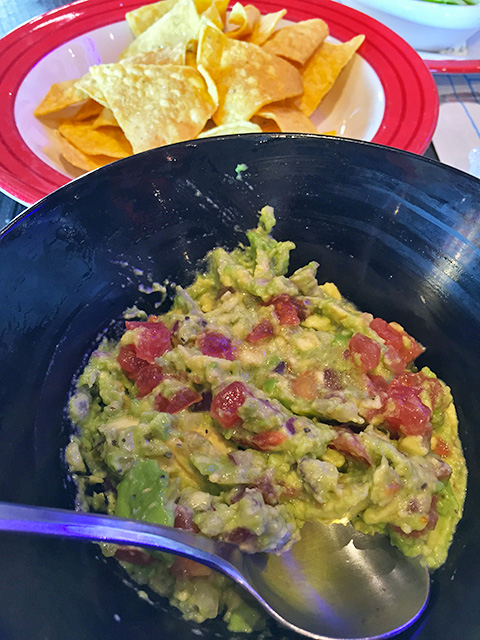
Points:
(399, 234)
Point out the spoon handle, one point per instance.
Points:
(90, 526)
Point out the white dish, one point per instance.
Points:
(426, 26)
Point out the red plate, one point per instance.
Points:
(411, 98)
(453, 66)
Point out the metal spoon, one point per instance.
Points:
(334, 583)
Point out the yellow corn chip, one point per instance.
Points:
(177, 27)
(205, 5)
(232, 128)
(212, 15)
(107, 141)
(191, 59)
(266, 125)
(78, 159)
(242, 20)
(297, 42)
(288, 118)
(211, 86)
(246, 77)
(89, 88)
(60, 95)
(105, 119)
(321, 71)
(155, 104)
(89, 109)
(140, 19)
(168, 55)
(264, 28)
(222, 6)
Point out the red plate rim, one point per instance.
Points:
(453, 66)
(411, 98)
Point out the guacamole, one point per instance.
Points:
(257, 403)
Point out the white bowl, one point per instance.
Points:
(426, 26)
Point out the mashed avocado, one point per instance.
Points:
(257, 403)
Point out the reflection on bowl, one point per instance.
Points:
(399, 234)
(426, 26)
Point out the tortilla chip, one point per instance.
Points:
(177, 27)
(266, 125)
(140, 19)
(242, 20)
(78, 159)
(89, 109)
(264, 28)
(212, 15)
(202, 5)
(106, 141)
(230, 129)
(297, 42)
(88, 86)
(191, 59)
(222, 6)
(288, 118)
(321, 71)
(169, 55)
(210, 84)
(246, 77)
(105, 119)
(155, 104)
(60, 95)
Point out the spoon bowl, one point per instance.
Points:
(334, 583)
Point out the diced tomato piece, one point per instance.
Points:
(239, 535)
(348, 443)
(160, 403)
(147, 379)
(226, 403)
(300, 308)
(185, 567)
(306, 385)
(367, 351)
(285, 309)
(420, 381)
(406, 412)
(128, 360)
(216, 345)
(377, 384)
(183, 399)
(179, 401)
(134, 556)
(264, 329)
(441, 448)
(387, 332)
(268, 439)
(394, 361)
(153, 339)
(136, 324)
(407, 347)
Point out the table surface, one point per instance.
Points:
(13, 14)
